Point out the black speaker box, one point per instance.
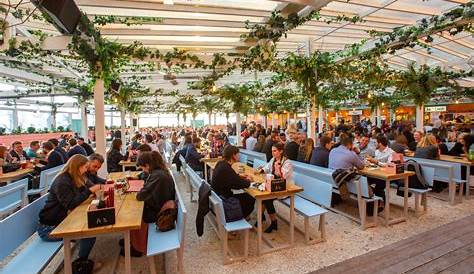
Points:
(65, 13)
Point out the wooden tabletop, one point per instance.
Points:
(456, 159)
(14, 175)
(122, 175)
(380, 173)
(260, 178)
(208, 159)
(127, 163)
(128, 216)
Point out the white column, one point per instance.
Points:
(337, 117)
(177, 118)
(215, 119)
(419, 117)
(123, 124)
(111, 119)
(15, 116)
(273, 119)
(100, 122)
(373, 117)
(210, 118)
(237, 129)
(309, 125)
(288, 119)
(320, 119)
(158, 118)
(84, 127)
(379, 116)
(69, 119)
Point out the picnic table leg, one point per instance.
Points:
(67, 256)
(387, 202)
(405, 198)
(259, 228)
(468, 183)
(292, 219)
(128, 261)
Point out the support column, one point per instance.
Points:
(373, 117)
(15, 116)
(419, 117)
(309, 126)
(209, 118)
(273, 120)
(320, 119)
(158, 119)
(177, 117)
(84, 127)
(215, 119)
(69, 119)
(111, 119)
(122, 127)
(237, 129)
(100, 123)
(379, 116)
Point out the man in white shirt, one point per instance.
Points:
(251, 140)
(383, 153)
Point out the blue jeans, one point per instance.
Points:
(85, 245)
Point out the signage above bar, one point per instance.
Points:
(435, 109)
(355, 112)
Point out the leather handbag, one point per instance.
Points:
(167, 216)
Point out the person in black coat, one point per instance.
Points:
(193, 157)
(86, 146)
(225, 179)
(68, 190)
(75, 148)
(292, 147)
(158, 189)
(320, 156)
(114, 156)
(269, 142)
(95, 163)
(17, 151)
(53, 158)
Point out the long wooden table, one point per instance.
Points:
(128, 216)
(464, 162)
(15, 175)
(379, 173)
(127, 163)
(260, 196)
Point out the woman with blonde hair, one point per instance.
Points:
(68, 190)
(427, 148)
(305, 151)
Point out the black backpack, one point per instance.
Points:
(417, 181)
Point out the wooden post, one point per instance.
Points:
(420, 113)
(122, 127)
(84, 127)
(379, 116)
(238, 129)
(210, 118)
(320, 119)
(100, 123)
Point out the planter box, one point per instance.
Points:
(7, 140)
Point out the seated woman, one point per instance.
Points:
(53, 158)
(6, 161)
(114, 156)
(68, 190)
(157, 190)
(400, 144)
(305, 151)
(458, 147)
(225, 179)
(280, 167)
(427, 148)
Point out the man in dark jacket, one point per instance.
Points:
(17, 151)
(95, 163)
(320, 156)
(193, 158)
(292, 147)
(59, 149)
(86, 146)
(53, 158)
(75, 148)
(267, 147)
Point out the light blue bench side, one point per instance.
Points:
(243, 158)
(442, 169)
(252, 155)
(194, 181)
(16, 229)
(162, 242)
(46, 179)
(231, 226)
(258, 163)
(315, 190)
(232, 140)
(13, 196)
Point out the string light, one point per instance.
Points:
(369, 96)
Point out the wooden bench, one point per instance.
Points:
(15, 230)
(193, 180)
(13, 196)
(309, 203)
(46, 179)
(223, 228)
(445, 172)
(162, 242)
(248, 156)
(358, 189)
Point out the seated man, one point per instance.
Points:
(86, 146)
(75, 148)
(31, 152)
(320, 156)
(53, 158)
(383, 153)
(365, 147)
(345, 156)
(59, 149)
(193, 157)
(95, 163)
(225, 179)
(17, 152)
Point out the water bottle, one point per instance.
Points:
(470, 154)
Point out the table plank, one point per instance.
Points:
(122, 175)
(128, 217)
(456, 159)
(379, 173)
(14, 175)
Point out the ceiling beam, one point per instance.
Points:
(24, 75)
(315, 4)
